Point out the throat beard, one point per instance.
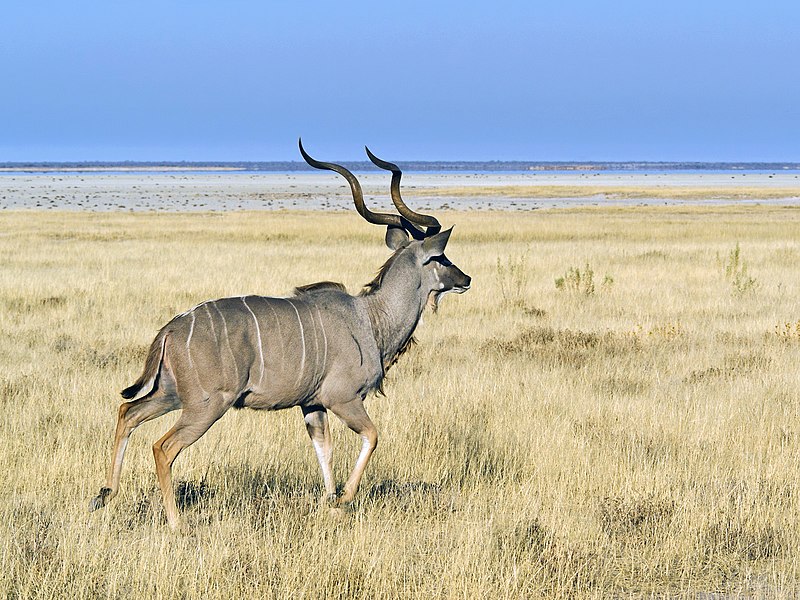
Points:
(434, 297)
(433, 300)
(406, 345)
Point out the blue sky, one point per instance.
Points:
(241, 80)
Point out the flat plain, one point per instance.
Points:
(226, 191)
(611, 411)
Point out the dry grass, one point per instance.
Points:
(639, 441)
(611, 192)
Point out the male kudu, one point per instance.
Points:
(320, 349)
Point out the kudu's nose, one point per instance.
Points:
(468, 281)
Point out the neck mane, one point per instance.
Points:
(394, 305)
(375, 285)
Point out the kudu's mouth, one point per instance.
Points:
(436, 295)
(460, 289)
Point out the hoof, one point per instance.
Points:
(344, 500)
(100, 500)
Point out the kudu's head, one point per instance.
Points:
(417, 240)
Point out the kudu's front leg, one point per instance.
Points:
(316, 418)
(356, 418)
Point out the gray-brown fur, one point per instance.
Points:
(320, 349)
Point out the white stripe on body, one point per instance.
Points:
(258, 334)
(213, 329)
(325, 341)
(227, 339)
(189, 352)
(189, 339)
(186, 313)
(278, 328)
(316, 341)
(303, 340)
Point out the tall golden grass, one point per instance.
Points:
(636, 438)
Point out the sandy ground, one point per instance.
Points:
(316, 191)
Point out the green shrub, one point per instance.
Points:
(736, 273)
(581, 282)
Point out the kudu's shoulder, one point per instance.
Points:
(328, 296)
(320, 286)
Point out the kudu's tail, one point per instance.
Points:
(152, 366)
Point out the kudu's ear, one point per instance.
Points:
(434, 245)
(396, 237)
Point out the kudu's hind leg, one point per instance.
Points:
(192, 424)
(356, 418)
(131, 415)
(316, 419)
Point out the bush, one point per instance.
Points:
(581, 282)
(736, 273)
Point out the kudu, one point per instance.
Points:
(320, 349)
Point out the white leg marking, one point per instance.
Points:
(361, 464)
(324, 451)
(303, 341)
(324, 462)
(258, 335)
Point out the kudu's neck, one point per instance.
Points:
(395, 306)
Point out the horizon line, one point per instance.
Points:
(409, 165)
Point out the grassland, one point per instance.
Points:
(636, 437)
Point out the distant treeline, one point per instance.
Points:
(471, 166)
